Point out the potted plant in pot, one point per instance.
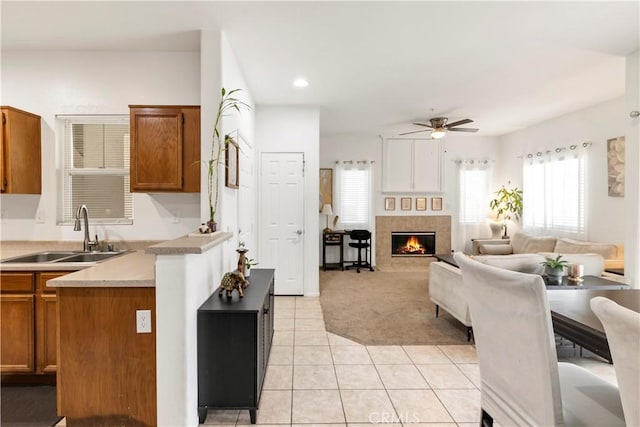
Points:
(228, 101)
(508, 205)
(554, 269)
(248, 263)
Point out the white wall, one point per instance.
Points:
(353, 147)
(243, 122)
(51, 83)
(296, 129)
(605, 215)
(632, 171)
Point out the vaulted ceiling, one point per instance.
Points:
(374, 66)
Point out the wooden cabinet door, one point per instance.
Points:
(46, 333)
(156, 149)
(21, 152)
(46, 345)
(3, 179)
(16, 327)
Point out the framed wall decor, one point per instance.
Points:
(389, 203)
(421, 203)
(231, 163)
(326, 187)
(405, 203)
(615, 166)
(436, 203)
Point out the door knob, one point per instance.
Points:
(299, 232)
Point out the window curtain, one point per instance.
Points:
(554, 189)
(474, 180)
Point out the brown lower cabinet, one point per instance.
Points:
(106, 370)
(27, 325)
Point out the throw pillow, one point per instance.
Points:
(495, 249)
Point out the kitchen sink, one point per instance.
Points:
(90, 257)
(40, 257)
(62, 257)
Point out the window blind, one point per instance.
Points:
(354, 196)
(96, 168)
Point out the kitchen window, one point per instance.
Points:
(96, 169)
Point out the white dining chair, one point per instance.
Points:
(522, 383)
(622, 327)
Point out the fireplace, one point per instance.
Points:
(413, 243)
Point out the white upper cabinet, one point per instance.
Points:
(412, 166)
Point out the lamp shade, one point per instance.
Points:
(326, 209)
(438, 133)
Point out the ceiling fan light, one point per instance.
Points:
(438, 133)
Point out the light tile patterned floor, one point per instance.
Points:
(316, 378)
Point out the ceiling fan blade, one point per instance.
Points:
(424, 124)
(415, 131)
(459, 122)
(463, 130)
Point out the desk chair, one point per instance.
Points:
(361, 239)
(522, 382)
(622, 327)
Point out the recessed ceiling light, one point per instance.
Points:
(300, 83)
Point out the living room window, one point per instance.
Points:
(354, 193)
(554, 192)
(96, 169)
(474, 180)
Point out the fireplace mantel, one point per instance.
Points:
(441, 224)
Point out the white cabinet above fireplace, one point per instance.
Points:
(411, 165)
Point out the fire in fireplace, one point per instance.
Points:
(413, 243)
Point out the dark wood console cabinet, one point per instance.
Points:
(234, 340)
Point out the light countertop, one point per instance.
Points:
(131, 270)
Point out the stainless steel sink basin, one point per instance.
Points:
(62, 257)
(90, 257)
(40, 257)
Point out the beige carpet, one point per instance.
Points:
(385, 308)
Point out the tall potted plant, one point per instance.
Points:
(507, 204)
(227, 102)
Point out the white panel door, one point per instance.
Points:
(281, 220)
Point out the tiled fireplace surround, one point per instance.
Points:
(441, 224)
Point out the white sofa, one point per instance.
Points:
(523, 253)
(522, 243)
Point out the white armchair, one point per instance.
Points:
(622, 327)
(522, 382)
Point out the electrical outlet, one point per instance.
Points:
(143, 321)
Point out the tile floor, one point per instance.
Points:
(316, 377)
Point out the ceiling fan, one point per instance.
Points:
(439, 127)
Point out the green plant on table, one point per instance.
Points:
(555, 264)
(249, 262)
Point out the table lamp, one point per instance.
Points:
(326, 210)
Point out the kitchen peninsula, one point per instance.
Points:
(108, 374)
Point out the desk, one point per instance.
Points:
(333, 238)
(573, 319)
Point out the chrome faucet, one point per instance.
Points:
(88, 243)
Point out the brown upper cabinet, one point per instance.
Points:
(20, 152)
(165, 148)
